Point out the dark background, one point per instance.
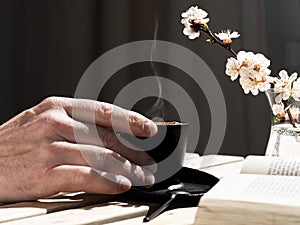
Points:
(46, 45)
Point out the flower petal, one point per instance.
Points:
(278, 98)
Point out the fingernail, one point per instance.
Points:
(149, 181)
(124, 183)
(149, 178)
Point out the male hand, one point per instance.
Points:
(52, 148)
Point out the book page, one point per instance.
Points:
(284, 166)
(279, 190)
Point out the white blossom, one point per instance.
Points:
(234, 65)
(278, 109)
(281, 112)
(226, 36)
(191, 33)
(295, 92)
(254, 65)
(283, 85)
(253, 71)
(254, 86)
(295, 113)
(232, 68)
(192, 16)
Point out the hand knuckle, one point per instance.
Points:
(51, 121)
(105, 110)
(48, 103)
(27, 116)
(135, 118)
(54, 149)
(82, 179)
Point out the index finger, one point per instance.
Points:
(109, 115)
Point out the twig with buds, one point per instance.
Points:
(251, 69)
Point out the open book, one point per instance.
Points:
(267, 191)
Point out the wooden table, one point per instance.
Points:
(82, 208)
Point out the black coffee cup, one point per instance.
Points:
(167, 147)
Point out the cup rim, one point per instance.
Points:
(170, 123)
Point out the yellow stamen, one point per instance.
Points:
(227, 41)
(256, 67)
(245, 63)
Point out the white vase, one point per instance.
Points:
(284, 137)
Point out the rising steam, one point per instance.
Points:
(157, 109)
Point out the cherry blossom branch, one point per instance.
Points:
(214, 39)
(292, 120)
(251, 69)
(198, 27)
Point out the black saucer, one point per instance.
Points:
(194, 182)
